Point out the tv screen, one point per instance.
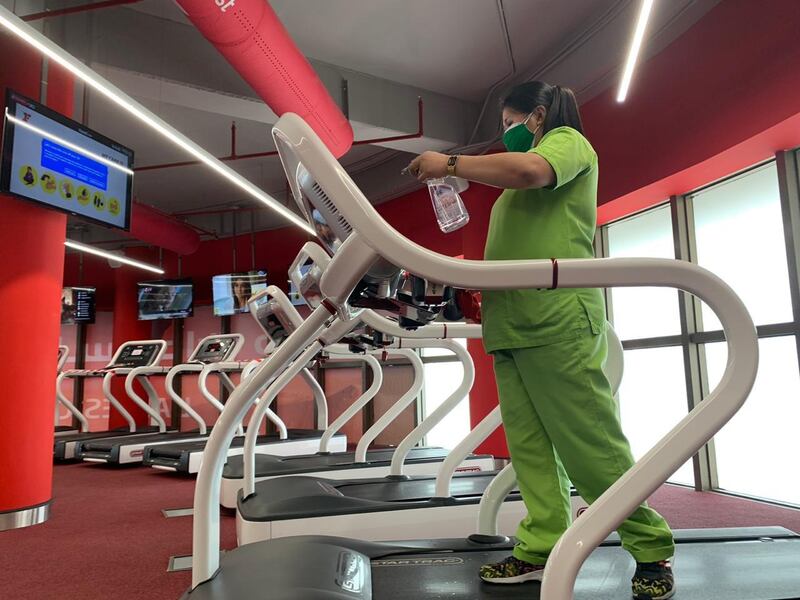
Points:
(294, 293)
(231, 292)
(77, 305)
(165, 299)
(52, 160)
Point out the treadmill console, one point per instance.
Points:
(215, 349)
(135, 355)
(412, 300)
(275, 313)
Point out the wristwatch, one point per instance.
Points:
(451, 164)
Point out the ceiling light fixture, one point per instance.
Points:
(28, 34)
(636, 45)
(111, 256)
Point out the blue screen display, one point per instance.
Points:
(79, 167)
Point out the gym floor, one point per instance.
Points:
(107, 538)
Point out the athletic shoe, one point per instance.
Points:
(511, 570)
(653, 581)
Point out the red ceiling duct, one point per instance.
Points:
(154, 227)
(250, 36)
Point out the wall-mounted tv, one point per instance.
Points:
(52, 160)
(232, 291)
(165, 299)
(77, 305)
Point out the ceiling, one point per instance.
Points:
(449, 52)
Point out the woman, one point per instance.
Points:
(240, 287)
(549, 346)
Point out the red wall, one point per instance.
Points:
(723, 96)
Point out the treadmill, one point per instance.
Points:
(63, 354)
(306, 273)
(129, 356)
(123, 450)
(733, 564)
(278, 318)
(185, 456)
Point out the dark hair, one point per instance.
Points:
(560, 103)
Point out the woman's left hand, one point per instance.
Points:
(429, 165)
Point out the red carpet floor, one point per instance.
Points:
(106, 537)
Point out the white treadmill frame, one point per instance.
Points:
(108, 373)
(133, 452)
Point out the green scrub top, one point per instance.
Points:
(554, 222)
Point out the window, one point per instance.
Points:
(757, 450)
(644, 312)
(441, 380)
(739, 231)
(652, 400)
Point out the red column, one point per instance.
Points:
(483, 396)
(31, 273)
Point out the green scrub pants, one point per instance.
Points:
(561, 424)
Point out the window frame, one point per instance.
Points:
(692, 337)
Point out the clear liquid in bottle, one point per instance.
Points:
(447, 204)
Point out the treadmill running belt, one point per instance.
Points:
(753, 570)
(267, 464)
(422, 488)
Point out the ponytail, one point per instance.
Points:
(559, 102)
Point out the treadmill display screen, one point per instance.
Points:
(214, 350)
(136, 356)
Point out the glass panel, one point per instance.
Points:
(739, 232)
(644, 312)
(441, 380)
(652, 400)
(757, 450)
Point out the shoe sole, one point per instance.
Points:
(535, 576)
(666, 596)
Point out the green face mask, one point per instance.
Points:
(518, 138)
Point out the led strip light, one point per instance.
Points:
(28, 34)
(636, 46)
(120, 259)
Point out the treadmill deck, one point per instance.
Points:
(302, 496)
(730, 564)
(270, 465)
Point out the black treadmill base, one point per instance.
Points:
(178, 456)
(749, 567)
(303, 496)
(270, 465)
